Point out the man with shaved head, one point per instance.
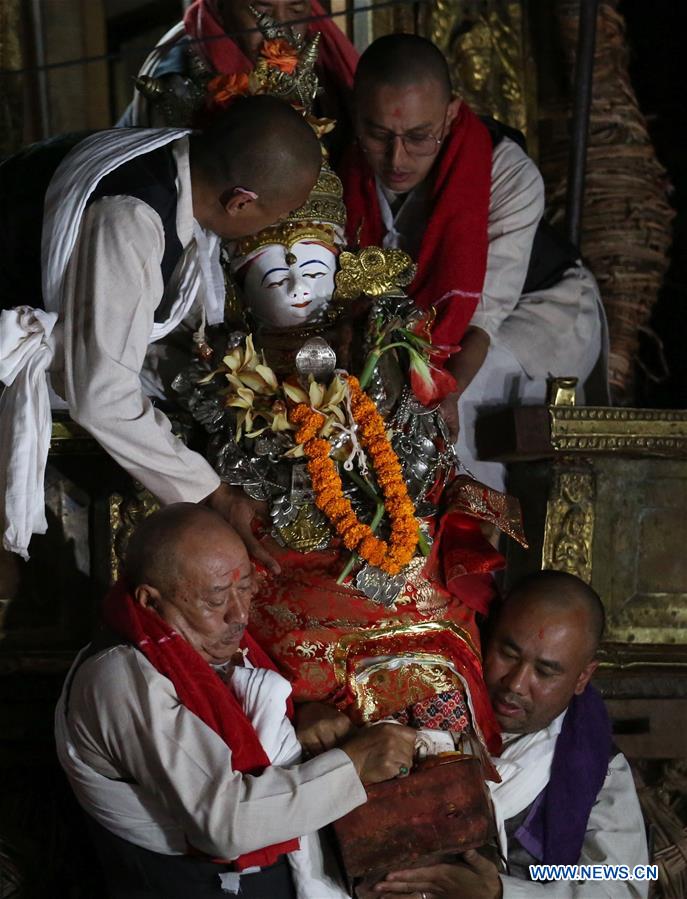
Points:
(174, 730)
(461, 196)
(566, 794)
(111, 243)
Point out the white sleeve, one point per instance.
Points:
(515, 207)
(127, 716)
(615, 836)
(112, 288)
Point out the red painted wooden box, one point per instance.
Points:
(441, 808)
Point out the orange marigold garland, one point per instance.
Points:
(392, 555)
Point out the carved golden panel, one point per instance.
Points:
(590, 429)
(126, 512)
(393, 19)
(487, 45)
(569, 529)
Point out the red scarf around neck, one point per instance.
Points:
(337, 56)
(200, 689)
(453, 255)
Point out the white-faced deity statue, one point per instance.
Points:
(285, 274)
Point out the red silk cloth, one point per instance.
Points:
(200, 689)
(337, 56)
(466, 557)
(322, 634)
(453, 255)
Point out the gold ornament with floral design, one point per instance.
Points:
(373, 271)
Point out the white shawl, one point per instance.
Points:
(524, 767)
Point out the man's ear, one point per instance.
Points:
(452, 110)
(148, 597)
(585, 676)
(237, 199)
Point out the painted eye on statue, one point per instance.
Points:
(314, 275)
(281, 283)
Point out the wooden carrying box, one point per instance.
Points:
(440, 808)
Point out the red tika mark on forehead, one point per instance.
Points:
(396, 113)
(235, 575)
(541, 633)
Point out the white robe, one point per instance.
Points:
(101, 286)
(615, 832)
(138, 761)
(560, 331)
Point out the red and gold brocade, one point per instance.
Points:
(334, 644)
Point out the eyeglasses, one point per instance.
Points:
(381, 141)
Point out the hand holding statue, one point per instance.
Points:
(240, 510)
(449, 412)
(464, 366)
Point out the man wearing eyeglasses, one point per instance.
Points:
(462, 197)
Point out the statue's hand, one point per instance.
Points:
(320, 726)
(240, 510)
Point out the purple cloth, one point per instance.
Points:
(554, 829)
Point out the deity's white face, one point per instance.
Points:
(283, 294)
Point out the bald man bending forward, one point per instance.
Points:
(116, 236)
(173, 731)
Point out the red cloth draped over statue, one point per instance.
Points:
(453, 254)
(334, 644)
(336, 61)
(200, 689)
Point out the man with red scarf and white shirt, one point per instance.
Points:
(223, 35)
(465, 201)
(174, 730)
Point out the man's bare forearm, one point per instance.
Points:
(463, 366)
(473, 351)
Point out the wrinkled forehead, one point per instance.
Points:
(244, 567)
